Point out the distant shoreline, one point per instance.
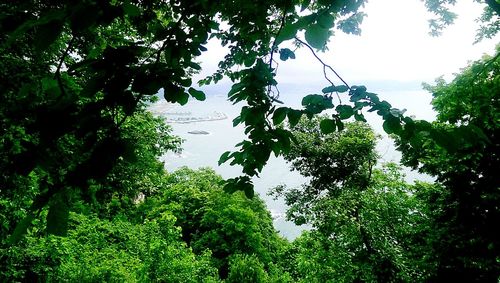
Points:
(167, 111)
(185, 119)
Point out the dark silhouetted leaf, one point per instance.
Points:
(359, 117)
(57, 218)
(392, 125)
(327, 126)
(286, 54)
(317, 36)
(131, 10)
(47, 34)
(287, 32)
(293, 117)
(198, 94)
(224, 157)
(326, 20)
(341, 88)
(279, 115)
(345, 111)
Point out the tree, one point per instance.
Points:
(365, 219)
(78, 71)
(466, 209)
(97, 250)
(230, 226)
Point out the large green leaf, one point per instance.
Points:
(279, 115)
(293, 117)
(345, 111)
(325, 20)
(392, 125)
(287, 32)
(224, 157)
(327, 126)
(198, 94)
(317, 36)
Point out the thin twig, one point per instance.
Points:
(325, 66)
(57, 74)
(273, 48)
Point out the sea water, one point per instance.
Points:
(211, 121)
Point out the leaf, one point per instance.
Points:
(341, 88)
(287, 32)
(359, 117)
(249, 192)
(312, 99)
(304, 5)
(230, 186)
(293, 117)
(47, 34)
(187, 82)
(326, 20)
(396, 112)
(444, 139)
(279, 115)
(328, 89)
(173, 93)
(248, 61)
(146, 84)
(286, 54)
(84, 16)
(316, 36)
(131, 10)
(283, 144)
(340, 124)
(194, 65)
(357, 93)
(236, 88)
(345, 111)
(198, 94)
(327, 126)
(392, 125)
(224, 157)
(57, 218)
(51, 87)
(242, 183)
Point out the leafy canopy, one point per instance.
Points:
(74, 72)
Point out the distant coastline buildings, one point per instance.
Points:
(165, 110)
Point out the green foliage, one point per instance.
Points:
(211, 219)
(113, 251)
(464, 211)
(365, 221)
(78, 149)
(247, 269)
(79, 71)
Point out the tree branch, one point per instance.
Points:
(57, 74)
(325, 67)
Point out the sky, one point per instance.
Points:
(394, 46)
(392, 57)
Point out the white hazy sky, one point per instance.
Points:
(395, 45)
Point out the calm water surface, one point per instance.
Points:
(204, 150)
